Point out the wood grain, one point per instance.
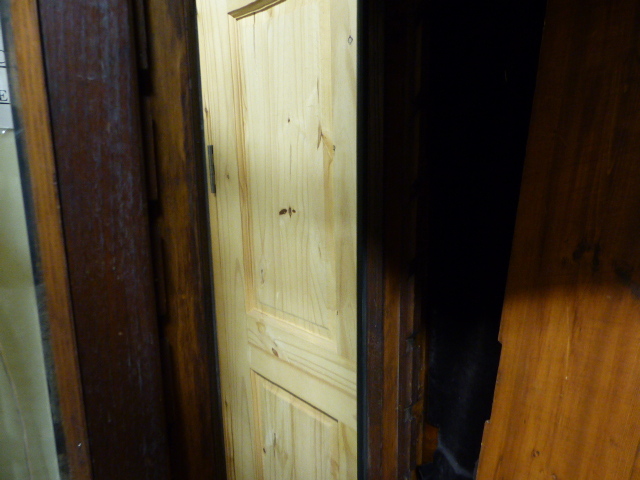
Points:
(218, 108)
(405, 343)
(289, 243)
(292, 432)
(371, 260)
(393, 334)
(174, 153)
(51, 264)
(566, 404)
(284, 215)
(93, 91)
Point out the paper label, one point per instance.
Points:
(6, 117)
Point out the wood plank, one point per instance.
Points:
(566, 403)
(175, 156)
(51, 264)
(371, 260)
(218, 106)
(92, 83)
(403, 342)
(394, 348)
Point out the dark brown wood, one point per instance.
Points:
(30, 102)
(371, 333)
(395, 339)
(390, 394)
(197, 444)
(566, 403)
(402, 118)
(93, 96)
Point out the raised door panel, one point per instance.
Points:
(293, 439)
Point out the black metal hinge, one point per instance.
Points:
(212, 170)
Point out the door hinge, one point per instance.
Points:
(212, 169)
(142, 46)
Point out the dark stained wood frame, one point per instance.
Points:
(393, 342)
(181, 226)
(404, 160)
(45, 226)
(122, 81)
(94, 102)
(393, 435)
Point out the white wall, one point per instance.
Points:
(27, 446)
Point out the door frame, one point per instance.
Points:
(23, 51)
(392, 338)
(169, 424)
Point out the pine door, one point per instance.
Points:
(279, 98)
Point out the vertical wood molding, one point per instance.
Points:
(50, 261)
(566, 402)
(402, 149)
(395, 341)
(93, 97)
(181, 225)
(370, 156)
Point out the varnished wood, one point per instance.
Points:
(404, 332)
(566, 403)
(182, 261)
(50, 263)
(370, 162)
(395, 345)
(92, 82)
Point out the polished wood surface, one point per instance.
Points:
(92, 83)
(566, 403)
(50, 262)
(177, 187)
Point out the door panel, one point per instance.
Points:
(279, 94)
(296, 439)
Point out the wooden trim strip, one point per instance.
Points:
(93, 87)
(196, 438)
(370, 261)
(51, 263)
(392, 332)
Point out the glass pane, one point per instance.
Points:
(27, 441)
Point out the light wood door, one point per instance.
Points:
(279, 97)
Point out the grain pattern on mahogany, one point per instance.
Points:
(177, 161)
(51, 264)
(92, 84)
(566, 403)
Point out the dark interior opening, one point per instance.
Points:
(480, 76)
